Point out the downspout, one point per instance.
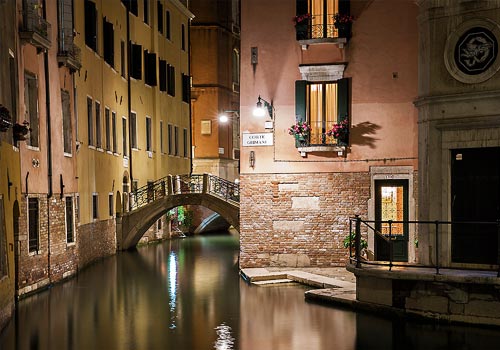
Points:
(129, 102)
(49, 138)
(190, 111)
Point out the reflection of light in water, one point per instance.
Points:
(224, 339)
(172, 286)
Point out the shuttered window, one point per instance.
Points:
(70, 227)
(321, 104)
(34, 226)
(150, 68)
(135, 61)
(109, 42)
(90, 25)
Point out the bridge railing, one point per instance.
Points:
(183, 184)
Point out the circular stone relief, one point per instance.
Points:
(471, 52)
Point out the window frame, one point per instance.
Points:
(133, 130)
(67, 125)
(69, 239)
(31, 94)
(33, 229)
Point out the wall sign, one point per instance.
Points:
(257, 139)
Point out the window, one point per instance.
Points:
(133, 130)
(148, 134)
(321, 23)
(150, 68)
(170, 139)
(98, 130)
(160, 17)
(122, 58)
(113, 131)
(31, 103)
(176, 140)
(321, 104)
(186, 88)
(70, 234)
(107, 128)
(236, 67)
(95, 204)
(185, 141)
(171, 80)
(162, 149)
(109, 42)
(90, 121)
(162, 65)
(167, 25)
(90, 25)
(146, 11)
(111, 204)
(124, 137)
(67, 129)
(3, 241)
(131, 5)
(33, 222)
(183, 37)
(135, 61)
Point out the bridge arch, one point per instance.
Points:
(136, 223)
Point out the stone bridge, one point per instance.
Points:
(152, 201)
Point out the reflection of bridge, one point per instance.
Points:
(155, 199)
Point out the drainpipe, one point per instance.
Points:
(49, 137)
(190, 111)
(129, 102)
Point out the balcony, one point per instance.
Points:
(35, 30)
(319, 29)
(318, 139)
(68, 53)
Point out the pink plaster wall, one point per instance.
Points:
(383, 117)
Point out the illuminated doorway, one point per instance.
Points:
(391, 203)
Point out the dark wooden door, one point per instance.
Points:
(475, 197)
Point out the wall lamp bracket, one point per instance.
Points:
(261, 107)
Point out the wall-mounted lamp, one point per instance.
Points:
(261, 106)
(252, 159)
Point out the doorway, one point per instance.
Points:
(475, 197)
(391, 203)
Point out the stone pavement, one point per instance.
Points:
(333, 285)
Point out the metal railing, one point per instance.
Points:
(184, 184)
(33, 22)
(67, 46)
(361, 229)
(317, 27)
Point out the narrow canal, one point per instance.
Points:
(186, 295)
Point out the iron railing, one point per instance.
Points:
(361, 229)
(184, 184)
(317, 27)
(67, 46)
(33, 22)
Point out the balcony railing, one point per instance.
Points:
(318, 138)
(320, 28)
(68, 54)
(35, 29)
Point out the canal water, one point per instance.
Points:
(186, 294)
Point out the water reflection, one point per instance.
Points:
(187, 295)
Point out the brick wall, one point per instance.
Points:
(299, 219)
(96, 240)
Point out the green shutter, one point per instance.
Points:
(301, 7)
(343, 99)
(345, 7)
(301, 29)
(300, 100)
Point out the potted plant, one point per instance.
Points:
(301, 18)
(339, 131)
(300, 130)
(349, 242)
(342, 22)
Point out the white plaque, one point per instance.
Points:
(260, 139)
